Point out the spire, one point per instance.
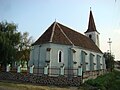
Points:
(91, 24)
(91, 32)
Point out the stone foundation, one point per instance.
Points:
(92, 74)
(41, 80)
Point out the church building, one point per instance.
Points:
(60, 46)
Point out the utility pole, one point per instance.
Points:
(109, 42)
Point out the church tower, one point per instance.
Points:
(91, 32)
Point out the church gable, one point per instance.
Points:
(59, 37)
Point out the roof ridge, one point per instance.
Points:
(65, 34)
(53, 30)
(71, 29)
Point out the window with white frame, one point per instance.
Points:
(60, 56)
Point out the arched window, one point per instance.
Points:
(60, 56)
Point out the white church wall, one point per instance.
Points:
(35, 55)
(95, 62)
(87, 59)
(94, 37)
(76, 57)
(54, 55)
(42, 56)
(38, 55)
(40, 52)
(30, 63)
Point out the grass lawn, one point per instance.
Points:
(6, 85)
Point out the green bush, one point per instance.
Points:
(110, 81)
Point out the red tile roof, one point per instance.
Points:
(91, 24)
(60, 34)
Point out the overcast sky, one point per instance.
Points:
(35, 16)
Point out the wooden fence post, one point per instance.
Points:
(8, 68)
(79, 71)
(19, 69)
(31, 69)
(46, 70)
(62, 70)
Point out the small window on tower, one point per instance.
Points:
(90, 36)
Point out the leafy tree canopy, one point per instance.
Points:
(24, 48)
(109, 59)
(9, 40)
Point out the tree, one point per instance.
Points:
(24, 48)
(9, 39)
(109, 60)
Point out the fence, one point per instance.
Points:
(67, 72)
(56, 72)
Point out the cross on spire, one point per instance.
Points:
(90, 8)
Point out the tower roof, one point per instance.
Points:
(91, 24)
(60, 34)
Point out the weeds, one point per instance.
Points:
(110, 81)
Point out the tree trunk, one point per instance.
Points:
(3, 67)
